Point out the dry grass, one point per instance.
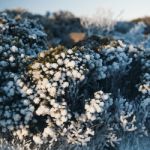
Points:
(145, 19)
(77, 36)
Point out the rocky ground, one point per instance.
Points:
(67, 84)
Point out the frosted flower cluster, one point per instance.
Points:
(62, 95)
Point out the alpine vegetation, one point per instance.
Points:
(84, 97)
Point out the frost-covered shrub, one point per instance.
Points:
(53, 25)
(68, 93)
(135, 35)
(56, 88)
(87, 97)
(129, 36)
(123, 26)
(20, 41)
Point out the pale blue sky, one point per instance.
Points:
(128, 8)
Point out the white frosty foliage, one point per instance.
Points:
(72, 94)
